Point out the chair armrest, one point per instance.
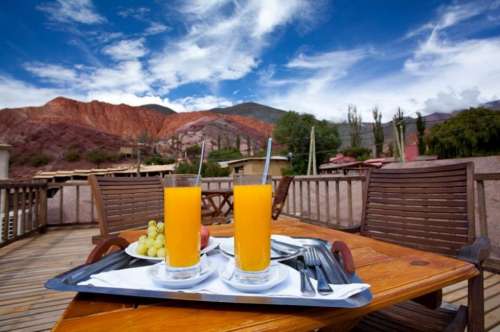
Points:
(476, 252)
(103, 247)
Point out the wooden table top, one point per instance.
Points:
(395, 274)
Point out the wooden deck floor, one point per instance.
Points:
(25, 305)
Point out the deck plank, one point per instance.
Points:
(25, 265)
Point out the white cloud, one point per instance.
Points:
(126, 49)
(443, 74)
(222, 46)
(15, 93)
(52, 73)
(156, 28)
(138, 13)
(79, 11)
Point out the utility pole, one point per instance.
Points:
(311, 164)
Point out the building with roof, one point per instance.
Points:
(255, 165)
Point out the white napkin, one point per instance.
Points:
(140, 278)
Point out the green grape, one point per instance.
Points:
(152, 252)
(142, 249)
(150, 243)
(158, 244)
(142, 238)
(160, 237)
(152, 233)
(161, 227)
(160, 252)
(152, 223)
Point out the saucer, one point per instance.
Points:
(158, 276)
(278, 274)
(226, 247)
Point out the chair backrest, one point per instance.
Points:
(280, 195)
(429, 208)
(125, 202)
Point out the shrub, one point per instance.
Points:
(157, 159)
(224, 154)
(72, 155)
(97, 156)
(39, 159)
(359, 153)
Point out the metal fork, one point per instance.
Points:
(311, 259)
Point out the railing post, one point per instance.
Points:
(77, 189)
(43, 209)
(483, 218)
(15, 208)
(301, 198)
(318, 201)
(23, 211)
(61, 203)
(5, 221)
(337, 202)
(327, 200)
(349, 201)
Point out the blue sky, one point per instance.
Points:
(310, 56)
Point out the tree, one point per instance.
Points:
(293, 131)
(97, 156)
(378, 132)
(399, 125)
(208, 169)
(238, 142)
(474, 132)
(421, 134)
(354, 121)
(193, 152)
(224, 154)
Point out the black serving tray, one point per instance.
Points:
(68, 281)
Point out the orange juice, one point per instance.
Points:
(252, 226)
(182, 211)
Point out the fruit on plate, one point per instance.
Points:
(205, 234)
(153, 244)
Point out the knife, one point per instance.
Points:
(306, 287)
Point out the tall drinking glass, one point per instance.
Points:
(252, 228)
(182, 211)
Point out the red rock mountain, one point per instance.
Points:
(63, 123)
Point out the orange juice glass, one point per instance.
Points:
(252, 228)
(182, 212)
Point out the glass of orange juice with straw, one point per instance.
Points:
(182, 216)
(252, 227)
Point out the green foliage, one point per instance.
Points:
(399, 125)
(209, 169)
(421, 134)
(224, 154)
(293, 131)
(72, 155)
(474, 132)
(186, 168)
(98, 156)
(157, 159)
(359, 153)
(39, 159)
(193, 152)
(378, 132)
(354, 121)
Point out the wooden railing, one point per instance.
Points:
(330, 200)
(23, 209)
(71, 203)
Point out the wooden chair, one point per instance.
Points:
(126, 203)
(429, 209)
(280, 195)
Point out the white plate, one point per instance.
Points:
(132, 250)
(279, 273)
(159, 278)
(226, 246)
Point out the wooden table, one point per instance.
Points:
(395, 273)
(225, 199)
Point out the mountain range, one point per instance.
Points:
(63, 124)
